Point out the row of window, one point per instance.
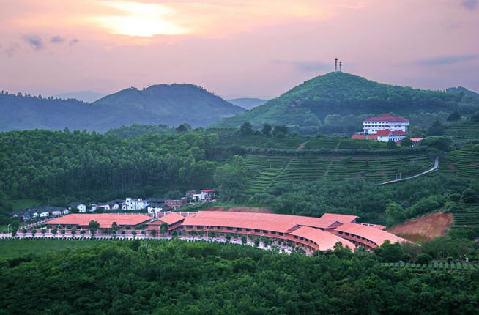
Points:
(247, 230)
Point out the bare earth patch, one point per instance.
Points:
(424, 228)
(240, 209)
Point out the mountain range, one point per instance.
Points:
(158, 104)
(332, 103)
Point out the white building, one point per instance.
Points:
(385, 122)
(204, 195)
(388, 135)
(105, 207)
(134, 204)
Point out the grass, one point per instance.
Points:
(18, 248)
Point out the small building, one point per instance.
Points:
(175, 204)
(155, 206)
(80, 207)
(132, 204)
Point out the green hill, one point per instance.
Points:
(337, 102)
(159, 104)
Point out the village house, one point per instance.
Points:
(76, 206)
(175, 204)
(132, 204)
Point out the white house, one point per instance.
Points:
(44, 214)
(105, 207)
(385, 122)
(204, 195)
(134, 204)
(81, 207)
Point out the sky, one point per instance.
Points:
(258, 48)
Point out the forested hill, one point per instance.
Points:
(341, 100)
(159, 104)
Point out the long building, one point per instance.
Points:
(308, 233)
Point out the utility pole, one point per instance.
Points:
(340, 66)
(335, 64)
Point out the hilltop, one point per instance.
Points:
(158, 104)
(338, 101)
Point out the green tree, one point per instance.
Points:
(163, 228)
(14, 226)
(280, 131)
(394, 213)
(266, 130)
(114, 228)
(436, 129)
(246, 129)
(455, 116)
(93, 226)
(231, 179)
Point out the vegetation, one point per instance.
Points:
(157, 104)
(201, 278)
(337, 102)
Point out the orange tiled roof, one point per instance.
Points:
(343, 218)
(255, 220)
(373, 234)
(104, 219)
(169, 218)
(325, 240)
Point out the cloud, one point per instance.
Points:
(34, 41)
(447, 60)
(57, 40)
(307, 66)
(470, 4)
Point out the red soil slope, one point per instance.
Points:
(424, 228)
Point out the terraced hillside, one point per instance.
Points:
(467, 218)
(465, 162)
(270, 170)
(464, 131)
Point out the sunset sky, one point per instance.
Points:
(234, 48)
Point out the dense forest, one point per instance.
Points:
(201, 278)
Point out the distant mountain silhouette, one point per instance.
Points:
(85, 96)
(159, 104)
(247, 102)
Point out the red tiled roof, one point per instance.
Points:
(325, 240)
(373, 234)
(416, 139)
(255, 220)
(387, 132)
(343, 218)
(386, 118)
(208, 190)
(104, 219)
(169, 218)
